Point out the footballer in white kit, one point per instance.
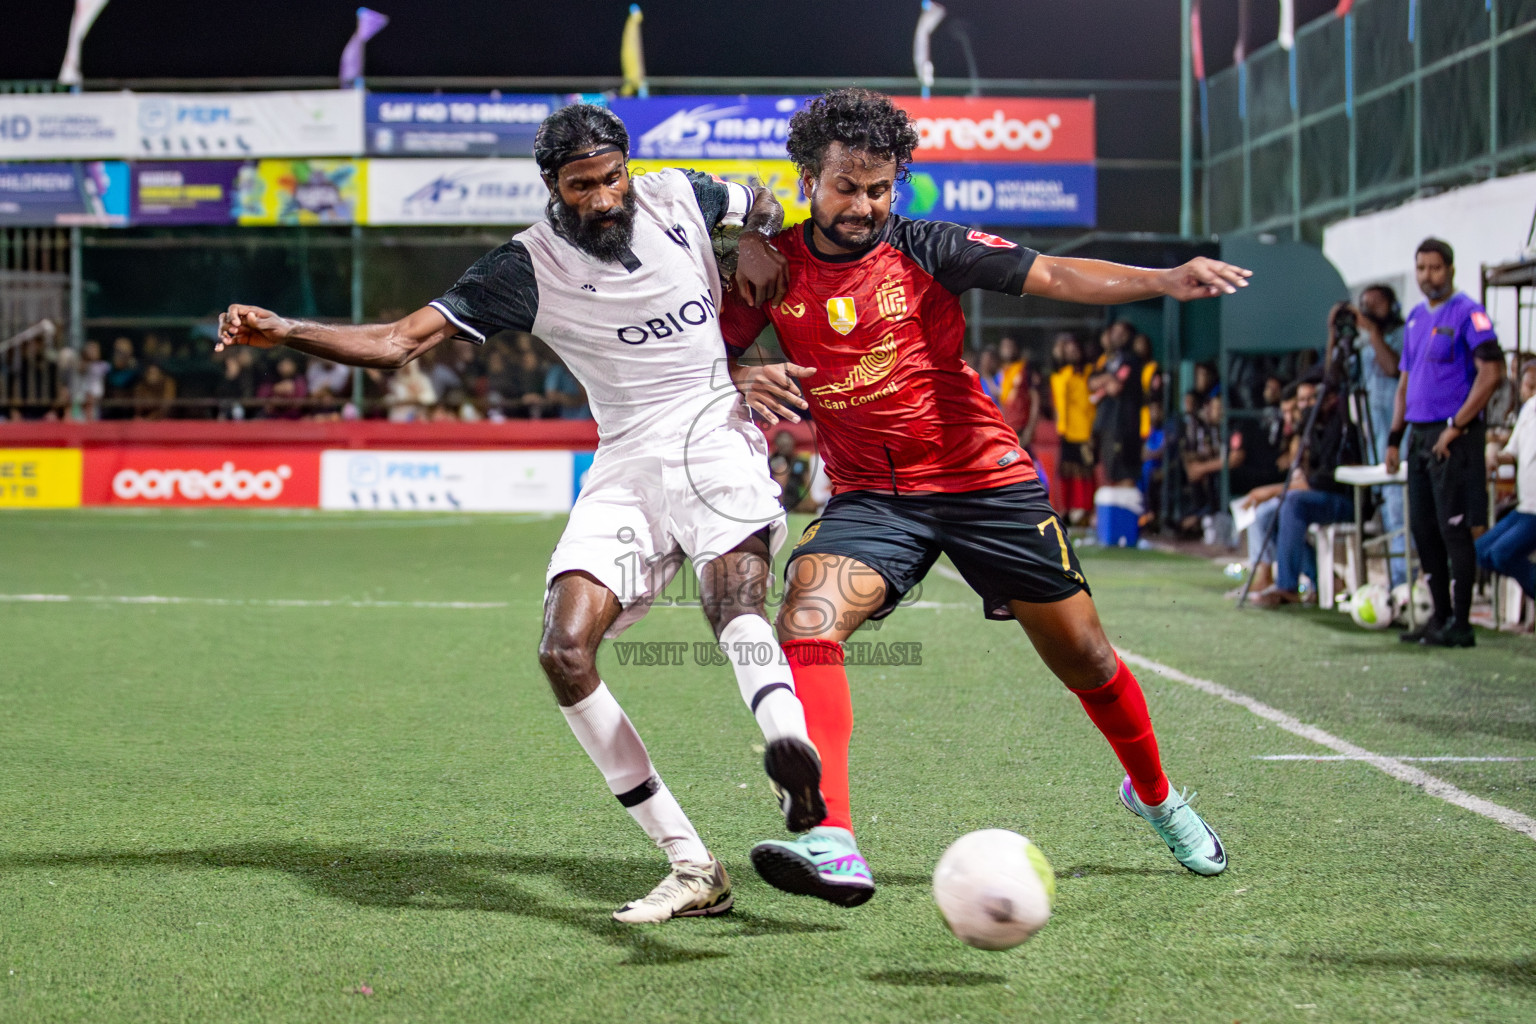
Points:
(621, 281)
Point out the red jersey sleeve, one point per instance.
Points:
(962, 258)
(741, 323)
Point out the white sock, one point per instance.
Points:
(768, 689)
(610, 740)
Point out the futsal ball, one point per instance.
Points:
(1423, 603)
(994, 888)
(1371, 607)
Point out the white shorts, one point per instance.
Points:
(638, 514)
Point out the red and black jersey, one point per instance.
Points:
(893, 404)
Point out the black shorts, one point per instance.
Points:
(1006, 542)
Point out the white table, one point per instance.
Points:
(1360, 477)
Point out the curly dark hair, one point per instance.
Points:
(576, 129)
(860, 119)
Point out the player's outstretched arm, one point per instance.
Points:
(381, 345)
(1100, 283)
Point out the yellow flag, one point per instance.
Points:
(632, 55)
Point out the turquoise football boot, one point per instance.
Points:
(825, 863)
(1193, 842)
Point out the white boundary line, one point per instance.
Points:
(1350, 757)
(239, 602)
(1393, 766)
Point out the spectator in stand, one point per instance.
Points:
(791, 470)
(410, 397)
(326, 379)
(1507, 548)
(1451, 366)
(1378, 347)
(120, 380)
(285, 394)
(1016, 391)
(1264, 498)
(1152, 450)
(153, 394)
(989, 368)
(1200, 453)
(88, 381)
(1206, 382)
(1074, 426)
(527, 381)
(1315, 497)
(564, 393)
(236, 386)
(1117, 424)
(1151, 381)
(444, 370)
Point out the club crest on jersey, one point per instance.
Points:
(891, 299)
(842, 314)
(989, 240)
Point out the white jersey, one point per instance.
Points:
(642, 335)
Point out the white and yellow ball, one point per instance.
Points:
(995, 888)
(1371, 607)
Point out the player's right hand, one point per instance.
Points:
(250, 325)
(770, 389)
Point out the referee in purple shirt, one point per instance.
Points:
(1451, 365)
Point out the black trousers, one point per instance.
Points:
(1447, 498)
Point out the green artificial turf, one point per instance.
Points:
(253, 811)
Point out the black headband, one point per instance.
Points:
(571, 158)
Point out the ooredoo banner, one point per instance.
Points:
(1033, 130)
(249, 477)
(465, 481)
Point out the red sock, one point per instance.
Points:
(822, 686)
(1119, 709)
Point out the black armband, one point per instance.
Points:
(1395, 439)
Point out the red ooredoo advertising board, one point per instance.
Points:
(254, 476)
(964, 129)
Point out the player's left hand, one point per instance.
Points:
(1204, 278)
(762, 272)
(1442, 448)
(770, 389)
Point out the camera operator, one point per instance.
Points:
(1314, 495)
(1374, 332)
(1450, 367)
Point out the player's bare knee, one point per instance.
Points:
(570, 665)
(1091, 664)
(723, 614)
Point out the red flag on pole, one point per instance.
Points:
(1197, 45)
(1345, 6)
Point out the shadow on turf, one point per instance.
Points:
(936, 979)
(442, 880)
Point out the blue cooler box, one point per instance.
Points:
(1119, 512)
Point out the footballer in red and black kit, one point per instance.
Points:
(922, 463)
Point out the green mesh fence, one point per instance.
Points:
(1363, 115)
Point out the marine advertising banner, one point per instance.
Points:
(708, 127)
(92, 193)
(456, 124)
(300, 192)
(185, 192)
(455, 192)
(778, 175)
(1005, 130)
(1002, 195)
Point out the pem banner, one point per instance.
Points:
(1002, 195)
(92, 193)
(456, 124)
(455, 192)
(428, 481)
(201, 126)
(186, 192)
(708, 127)
(1005, 130)
(66, 126)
